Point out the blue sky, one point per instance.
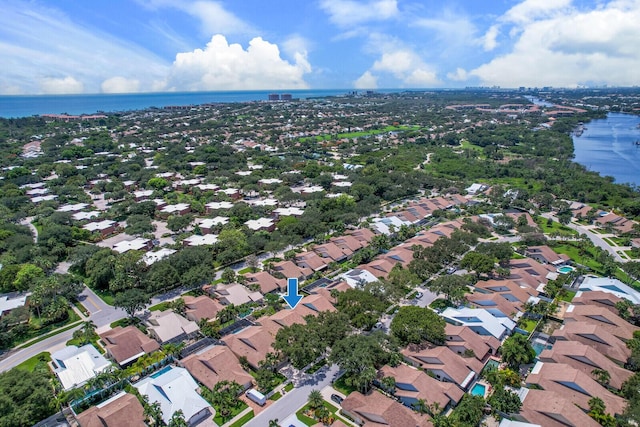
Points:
(70, 46)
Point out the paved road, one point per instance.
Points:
(295, 399)
(595, 238)
(27, 221)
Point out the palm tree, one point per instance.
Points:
(421, 406)
(152, 412)
(388, 384)
(323, 414)
(315, 399)
(177, 419)
(274, 423)
(602, 376)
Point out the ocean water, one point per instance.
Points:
(608, 146)
(29, 105)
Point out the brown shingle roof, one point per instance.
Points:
(126, 410)
(215, 365)
(201, 307)
(595, 336)
(549, 409)
(267, 282)
(377, 410)
(123, 344)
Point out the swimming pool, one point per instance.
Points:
(478, 390)
(539, 347)
(566, 269)
(161, 371)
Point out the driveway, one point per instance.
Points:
(288, 404)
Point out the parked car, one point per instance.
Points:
(418, 295)
(336, 398)
(452, 270)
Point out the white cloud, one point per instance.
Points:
(406, 66)
(571, 47)
(215, 19)
(345, 13)
(120, 84)
(530, 10)
(224, 66)
(68, 84)
(489, 40)
(43, 51)
(460, 75)
(366, 81)
(452, 29)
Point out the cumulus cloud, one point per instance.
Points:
(120, 84)
(406, 66)
(489, 40)
(366, 81)
(345, 13)
(530, 10)
(224, 66)
(460, 75)
(570, 47)
(54, 85)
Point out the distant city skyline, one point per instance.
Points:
(128, 46)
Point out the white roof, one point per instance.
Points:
(211, 222)
(99, 225)
(257, 224)
(187, 182)
(342, 184)
(262, 202)
(72, 208)
(197, 240)
(175, 390)
(205, 187)
(610, 286)
(76, 365)
(151, 257)
(312, 189)
(270, 181)
(38, 199)
(292, 211)
(79, 216)
(479, 317)
(219, 205)
(7, 304)
(508, 423)
(130, 245)
(175, 208)
(230, 191)
(357, 276)
(143, 193)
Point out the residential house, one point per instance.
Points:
(463, 340)
(377, 410)
(531, 273)
(178, 209)
(412, 384)
(104, 227)
(585, 358)
(358, 277)
(597, 299)
(545, 255)
(594, 336)
(9, 302)
(481, 321)
(123, 409)
(235, 294)
(126, 345)
(216, 206)
(155, 256)
(202, 307)
(574, 385)
(167, 326)
(347, 244)
(550, 409)
(253, 343)
(380, 267)
(207, 225)
(292, 271)
(611, 286)
(175, 390)
(215, 364)
(603, 317)
(311, 261)
(444, 364)
(330, 251)
(261, 224)
(74, 366)
(137, 244)
(197, 240)
(363, 235)
(266, 281)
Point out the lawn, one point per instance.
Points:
(218, 419)
(245, 418)
(276, 396)
(160, 307)
(315, 368)
(80, 307)
(528, 325)
(288, 387)
(342, 386)
(631, 254)
(566, 296)
(245, 270)
(311, 421)
(39, 360)
(555, 226)
(44, 332)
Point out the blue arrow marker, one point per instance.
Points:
(291, 297)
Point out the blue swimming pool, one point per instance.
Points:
(565, 269)
(161, 371)
(539, 347)
(478, 390)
